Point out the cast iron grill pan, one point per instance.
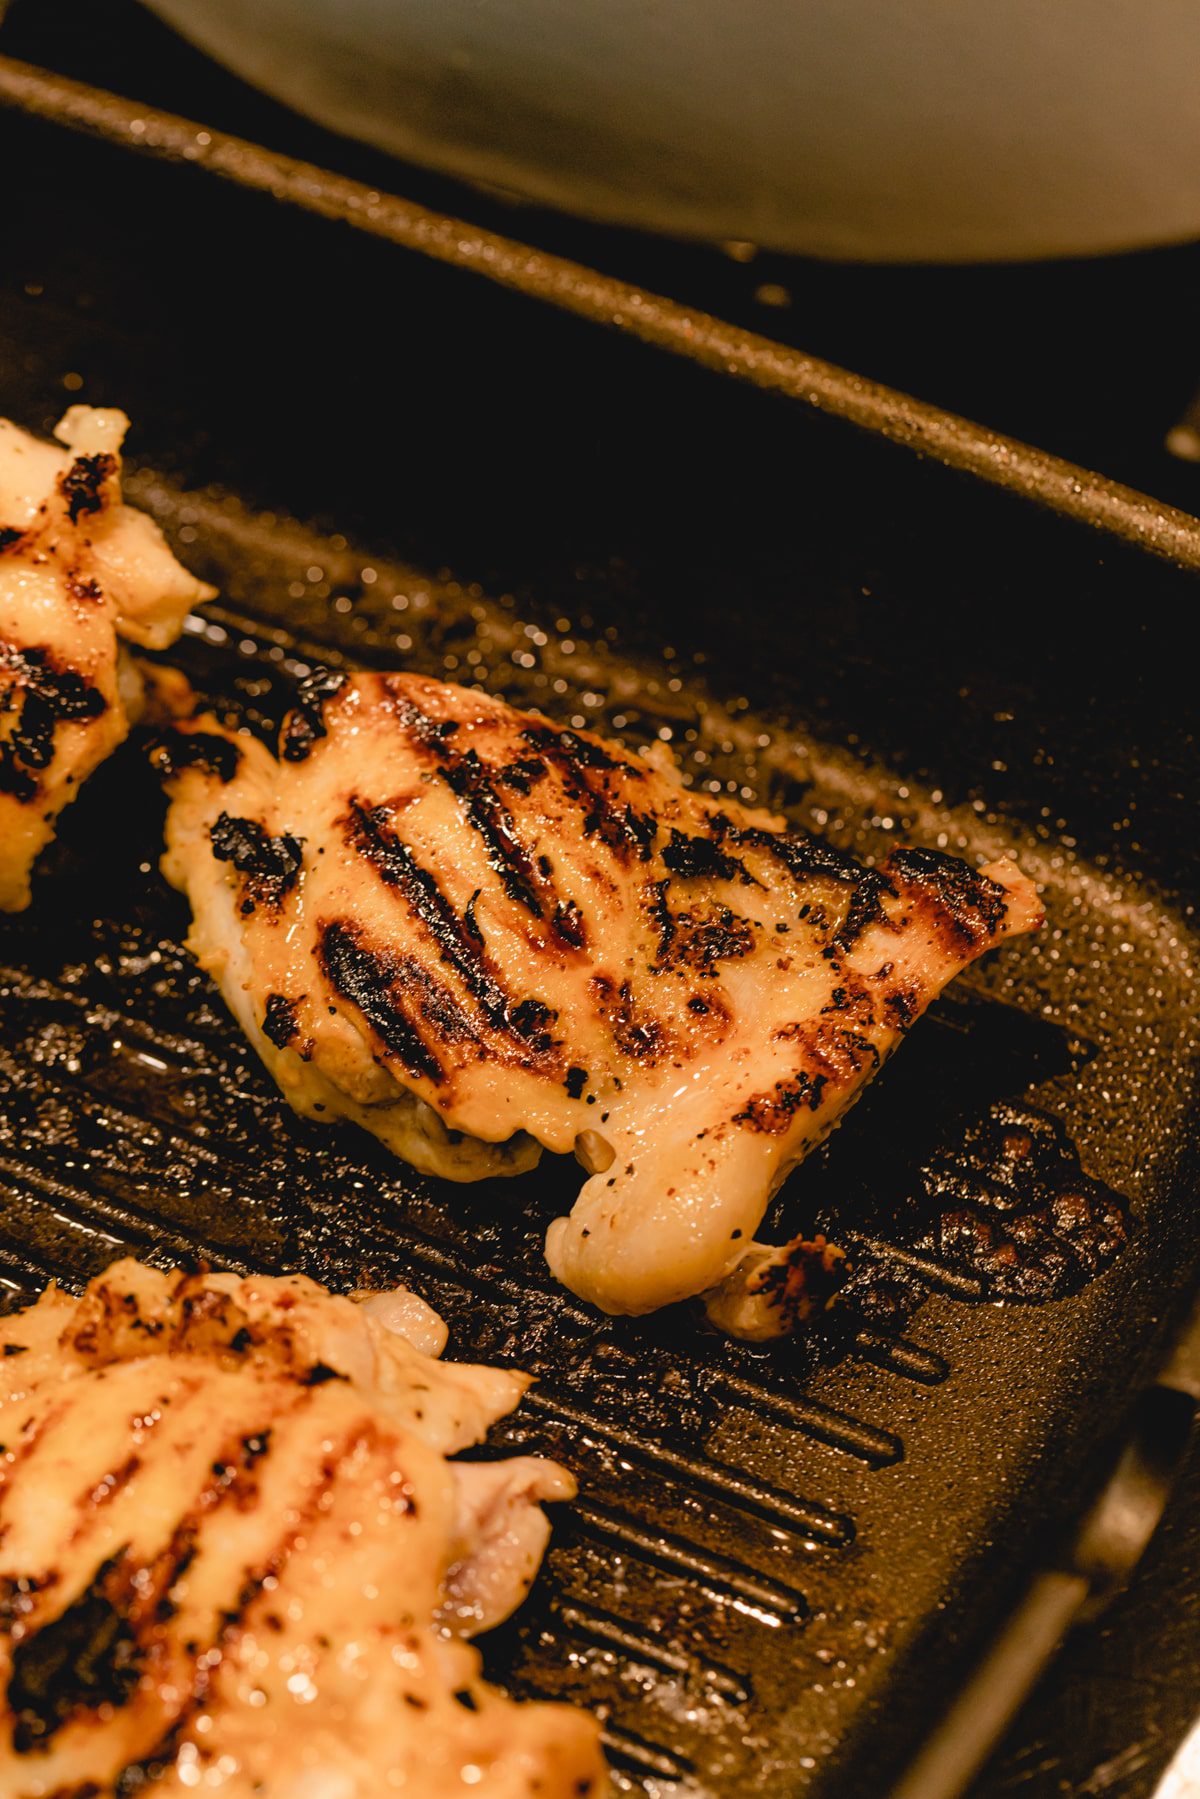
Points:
(780, 1558)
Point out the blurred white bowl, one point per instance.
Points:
(877, 129)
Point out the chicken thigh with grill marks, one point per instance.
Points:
(477, 935)
(234, 1556)
(79, 571)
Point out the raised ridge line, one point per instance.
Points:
(720, 1576)
(738, 1489)
(839, 1430)
(618, 1635)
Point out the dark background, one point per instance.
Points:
(1095, 360)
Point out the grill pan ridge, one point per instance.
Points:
(768, 1546)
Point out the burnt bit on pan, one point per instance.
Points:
(1005, 1209)
(306, 720)
(1012, 1206)
(269, 865)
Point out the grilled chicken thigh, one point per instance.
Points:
(478, 935)
(234, 1556)
(79, 571)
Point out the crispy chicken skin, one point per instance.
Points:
(478, 934)
(78, 572)
(234, 1556)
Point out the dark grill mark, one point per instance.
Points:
(619, 828)
(306, 720)
(837, 1057)
(105, 1490)
(319, 1374)
(636, 1033)
(975, 905)
(137, 1775)
(699, 859)
(432, 734)
(772, 1113)
(366, 979)
(507, 856)
(696, 939)
(662, 916)
(269, 864)
(527, 882)
(437, 1005)
(279, 1021)
(18, 1596)
(14, 781)
(49, 695)
(584, 769)
(900, 1007)
(522, 775)
(579, 752)
(91, 1656)
(176, 749)
(576, 1081)
(568, 924)
(810, 858)
(459, 940)
(8, 537)
(531, 1020)
(83, 484)
(86, 1657)
(87, 590)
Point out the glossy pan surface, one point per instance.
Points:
(780, 1558)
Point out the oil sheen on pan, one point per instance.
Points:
(753, 1477)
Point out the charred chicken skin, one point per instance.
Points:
(478, 934)
(234, 1555)
(80, 573)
